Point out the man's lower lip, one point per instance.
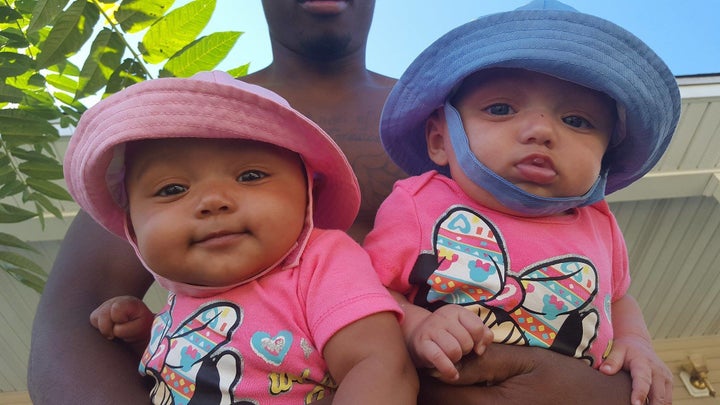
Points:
(324, 6)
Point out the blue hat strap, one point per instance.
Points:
(508, 194)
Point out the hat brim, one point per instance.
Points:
(569, 45)
(209, 105)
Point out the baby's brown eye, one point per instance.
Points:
(251, 175)
(171, 189)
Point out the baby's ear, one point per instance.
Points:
(437, 137)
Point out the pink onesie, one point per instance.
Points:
(262, 342)
(546, 282)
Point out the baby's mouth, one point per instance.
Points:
(537, 169)
(218, 238)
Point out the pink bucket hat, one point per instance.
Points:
(207, 105)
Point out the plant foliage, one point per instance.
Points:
(43, 90)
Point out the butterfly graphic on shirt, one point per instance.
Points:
(190, 363)
(546, 304)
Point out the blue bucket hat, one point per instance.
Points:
(548, 37)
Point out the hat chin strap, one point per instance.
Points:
(508, 194)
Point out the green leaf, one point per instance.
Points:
(10, 214)
(7, 175)
(105, 54)
(25, 7)
(42, 170)
(71, 30)
(10, 94)
(15, 38)
(8, 15)
(65, 98)
(28, 278)
(7, 171)
(41, 113)
(49, 188)
(11, 187)
(239, 71)
(173, 32)
(43, 13)
(14, 64)
(32, 155)
(12, 241)
(128, 73)
(66, 69)
(27, 114)
(23, 269)
(45, 203)
(40, 216)
(62, 82)
(20, 261)
(203, 54)
(22, 127)
(136, 15)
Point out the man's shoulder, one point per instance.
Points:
(382, 80)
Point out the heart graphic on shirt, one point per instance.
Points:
(272, 349)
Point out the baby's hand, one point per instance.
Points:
(650, 376)
(444, 337)
(125, 317)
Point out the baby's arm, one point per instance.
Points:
(370, 363)
(440, 339)
(126, 318)
(632, 350)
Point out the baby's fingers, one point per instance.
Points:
(479, 332)
(101, 320)
(614, 361)
(444, 368)
(126, 309)
(661, 388)
(642, 378)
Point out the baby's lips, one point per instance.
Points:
(537, 170)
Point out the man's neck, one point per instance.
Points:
(291, 69)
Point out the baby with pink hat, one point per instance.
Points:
(237, 204)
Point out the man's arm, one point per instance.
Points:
(70, 362)
(525, 375)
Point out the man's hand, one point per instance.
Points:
(522, 375)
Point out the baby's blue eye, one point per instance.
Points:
(171, 189)
(499, 109)
(251, 175)
(577, 122)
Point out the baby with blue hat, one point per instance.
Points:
(513, 128)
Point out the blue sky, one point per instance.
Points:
(685, 34)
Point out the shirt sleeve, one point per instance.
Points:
(621, 262)
(343, 287)
(395, 240)
(620, 277)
